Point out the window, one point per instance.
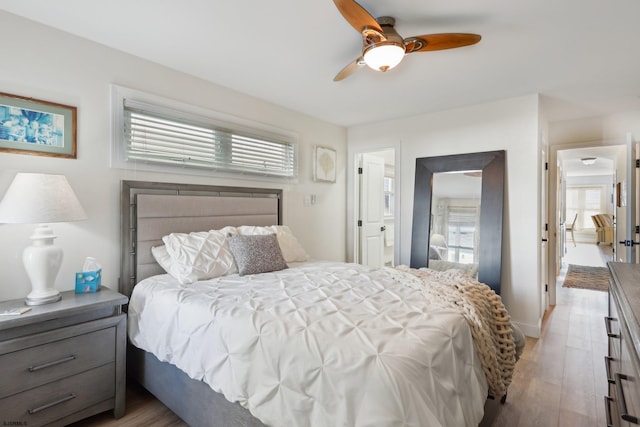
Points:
(461, 234)
(585, 201)
(388, 196)
(153, 134)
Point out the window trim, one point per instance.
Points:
(590, 227)
(391, 193)
(118, 158)
(475, 224)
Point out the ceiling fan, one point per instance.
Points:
(383, 48)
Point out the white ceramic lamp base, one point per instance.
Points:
(42, 260)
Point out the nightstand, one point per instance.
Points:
(64, 361)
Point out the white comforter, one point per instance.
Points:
(323, 344)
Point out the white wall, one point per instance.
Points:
(601, 128)
(510, 125)
(591, 132)
(51, 65)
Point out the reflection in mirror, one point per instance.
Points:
(454, 227)
(455, 221)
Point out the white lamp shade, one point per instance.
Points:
(438, 241)
(384, 57)
(34, 198)
(41, 198)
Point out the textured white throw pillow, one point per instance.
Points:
(253, 230)
(291, 249)
(163, 258)
(199, 255)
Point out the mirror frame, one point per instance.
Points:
(492, 164)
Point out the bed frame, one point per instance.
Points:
(150, 210)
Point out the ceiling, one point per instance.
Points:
(605, 160)
(581, 55)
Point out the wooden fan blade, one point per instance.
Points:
(357, 16)
(442, 41)
(351, 68)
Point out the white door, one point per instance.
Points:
(371, 223)
(544, 227)
(629, 239)
(625, 230)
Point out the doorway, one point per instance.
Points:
(376, 208)
(583, 205)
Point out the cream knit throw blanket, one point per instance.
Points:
(486, 315)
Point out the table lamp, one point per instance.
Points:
(35, 198)
(438, 241)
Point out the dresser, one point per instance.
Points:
(62, 362)
(622, 363)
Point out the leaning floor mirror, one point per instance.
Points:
(457, 214)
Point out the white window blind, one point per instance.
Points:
(158, 136)
(461, 233)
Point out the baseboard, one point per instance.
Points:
(532, 331)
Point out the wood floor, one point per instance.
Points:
(559, 381)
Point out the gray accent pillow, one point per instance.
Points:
(256, 253)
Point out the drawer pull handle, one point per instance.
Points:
(622, 405)
(607, 367)
(50, 404)
(607, 324)
(54, 363)
(607, 410)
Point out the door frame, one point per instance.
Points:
(552, 206)
(544, 229)
(353, 196)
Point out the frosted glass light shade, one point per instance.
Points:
(41, 198)
(384, 57)
(588, 160)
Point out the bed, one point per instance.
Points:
(318, 343)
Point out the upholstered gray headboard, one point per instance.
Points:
(151, 210)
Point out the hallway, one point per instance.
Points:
(560, 379)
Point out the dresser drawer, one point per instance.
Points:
(50, 402)
(627, 385)
(47, 361)
(612, 325)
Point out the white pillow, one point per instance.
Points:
(291, 249)
(199, 255)
(164, 259)
(253, 230)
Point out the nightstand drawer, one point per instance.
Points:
(56, 400)
(45, 361)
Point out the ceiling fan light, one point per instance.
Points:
(383, 57)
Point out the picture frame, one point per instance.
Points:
(324, 164)
(36, 127)
(622, 194)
